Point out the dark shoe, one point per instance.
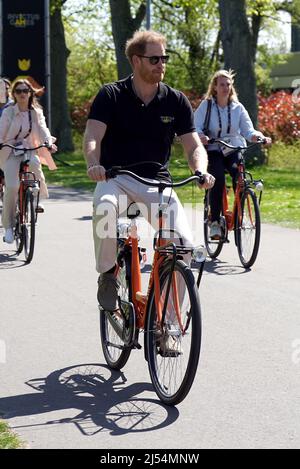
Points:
(108, 287)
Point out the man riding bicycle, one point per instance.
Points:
(134, 121)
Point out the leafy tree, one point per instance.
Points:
(124, 24)
(191, 28)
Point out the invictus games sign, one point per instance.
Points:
(24, 40)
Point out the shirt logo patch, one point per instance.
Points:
(167, 119)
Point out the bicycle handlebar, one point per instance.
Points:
(116, 170)
(42, 145)
(260, 141)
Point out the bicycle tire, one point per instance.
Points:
(18, 231)
(213, 247)
(165, 367)
(29, 226)
(248, 229)
(115, 357)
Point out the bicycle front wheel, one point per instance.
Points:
(115, 352)
(213, 247)
(248, 228)
(173, 349)
(29, 226)
(18, 230)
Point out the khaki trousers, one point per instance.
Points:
(111, 199)
(11, 174)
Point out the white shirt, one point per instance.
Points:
(241, 126)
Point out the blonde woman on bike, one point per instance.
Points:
(221, 115)
(22, 124)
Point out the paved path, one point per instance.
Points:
(56, 391)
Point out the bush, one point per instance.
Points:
(279, 116)
(80, 113)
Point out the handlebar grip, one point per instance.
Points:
(112, 172)
(200, 176)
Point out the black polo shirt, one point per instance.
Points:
(139, 133)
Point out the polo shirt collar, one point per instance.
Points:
(161, 93)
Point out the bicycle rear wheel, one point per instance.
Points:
(248, 229)
(29, 226)
(213, 247)
(115, 352)
(172, 370)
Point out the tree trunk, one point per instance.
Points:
(123, 27)
(60, 119)
(295, 46)
(238, 50)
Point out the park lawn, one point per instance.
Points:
(281, 196)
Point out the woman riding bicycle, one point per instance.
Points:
(221, 115)
(22, 124)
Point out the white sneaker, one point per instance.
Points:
(215, 230)
(9, 236)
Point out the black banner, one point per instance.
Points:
(23, 40)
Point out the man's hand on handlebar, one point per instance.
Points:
(96, 172)
(209, 181)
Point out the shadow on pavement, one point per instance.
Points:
(216, 266)
(65, 194)
(10, 260)
(104, 401)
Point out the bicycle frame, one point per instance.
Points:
(242, 183)
(162, 249)
(139, 299)
(27, 179)
(230, 215)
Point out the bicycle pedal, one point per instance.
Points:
(39, 210)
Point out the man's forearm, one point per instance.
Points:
(93, 136)
(197, 159)
(90, 152)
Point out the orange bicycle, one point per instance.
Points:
(27, 207)
(243, 219)
(169, 313)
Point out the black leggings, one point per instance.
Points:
(217, 164)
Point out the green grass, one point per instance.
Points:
(8, 440)
(281, 195)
